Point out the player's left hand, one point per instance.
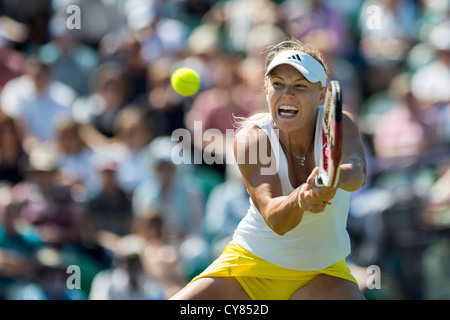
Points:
(324, 194)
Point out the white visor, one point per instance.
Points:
(307, 65)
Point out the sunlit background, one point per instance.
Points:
(86, 117)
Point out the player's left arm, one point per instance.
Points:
(353, 166)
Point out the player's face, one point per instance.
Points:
(292, 98)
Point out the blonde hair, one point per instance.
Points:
(294, 44)
(242, 122)
(270, 53)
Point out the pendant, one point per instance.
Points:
(302, 160)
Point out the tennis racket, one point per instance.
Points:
(330, 158)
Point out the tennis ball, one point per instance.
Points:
(185, 81)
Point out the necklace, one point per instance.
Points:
(303, 157)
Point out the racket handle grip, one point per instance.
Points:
(319, 181)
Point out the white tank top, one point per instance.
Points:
(319, 241)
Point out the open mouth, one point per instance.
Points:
(287, 111)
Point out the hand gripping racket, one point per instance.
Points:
(330, 157)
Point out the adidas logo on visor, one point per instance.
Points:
(303, 62)
(295, 57)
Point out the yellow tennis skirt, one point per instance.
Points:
(263, 280)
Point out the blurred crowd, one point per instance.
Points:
(87, 114)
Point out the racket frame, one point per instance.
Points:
(329, 167)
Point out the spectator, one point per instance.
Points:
(129, 55)
(159, 258)
(11, 150)
(301, 17)
(98, 112)
(385, 44)
(226, 206)
(242, 21)
(161, 36)
(46, 204)
(134, 133)
(165, 109)
(340, 69)
(109, 211)
(11, 61)
(438, 200)
(180, 201)
(438, 70)
(409, 128)
(98, 18)
(435, 91)
(51, 278)
(71, 60)
(127, 280)
(26, 22)
(75, 156)
(17, 246)
(37, 101)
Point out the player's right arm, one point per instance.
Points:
(281, 213)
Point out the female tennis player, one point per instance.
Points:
(293, 242)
